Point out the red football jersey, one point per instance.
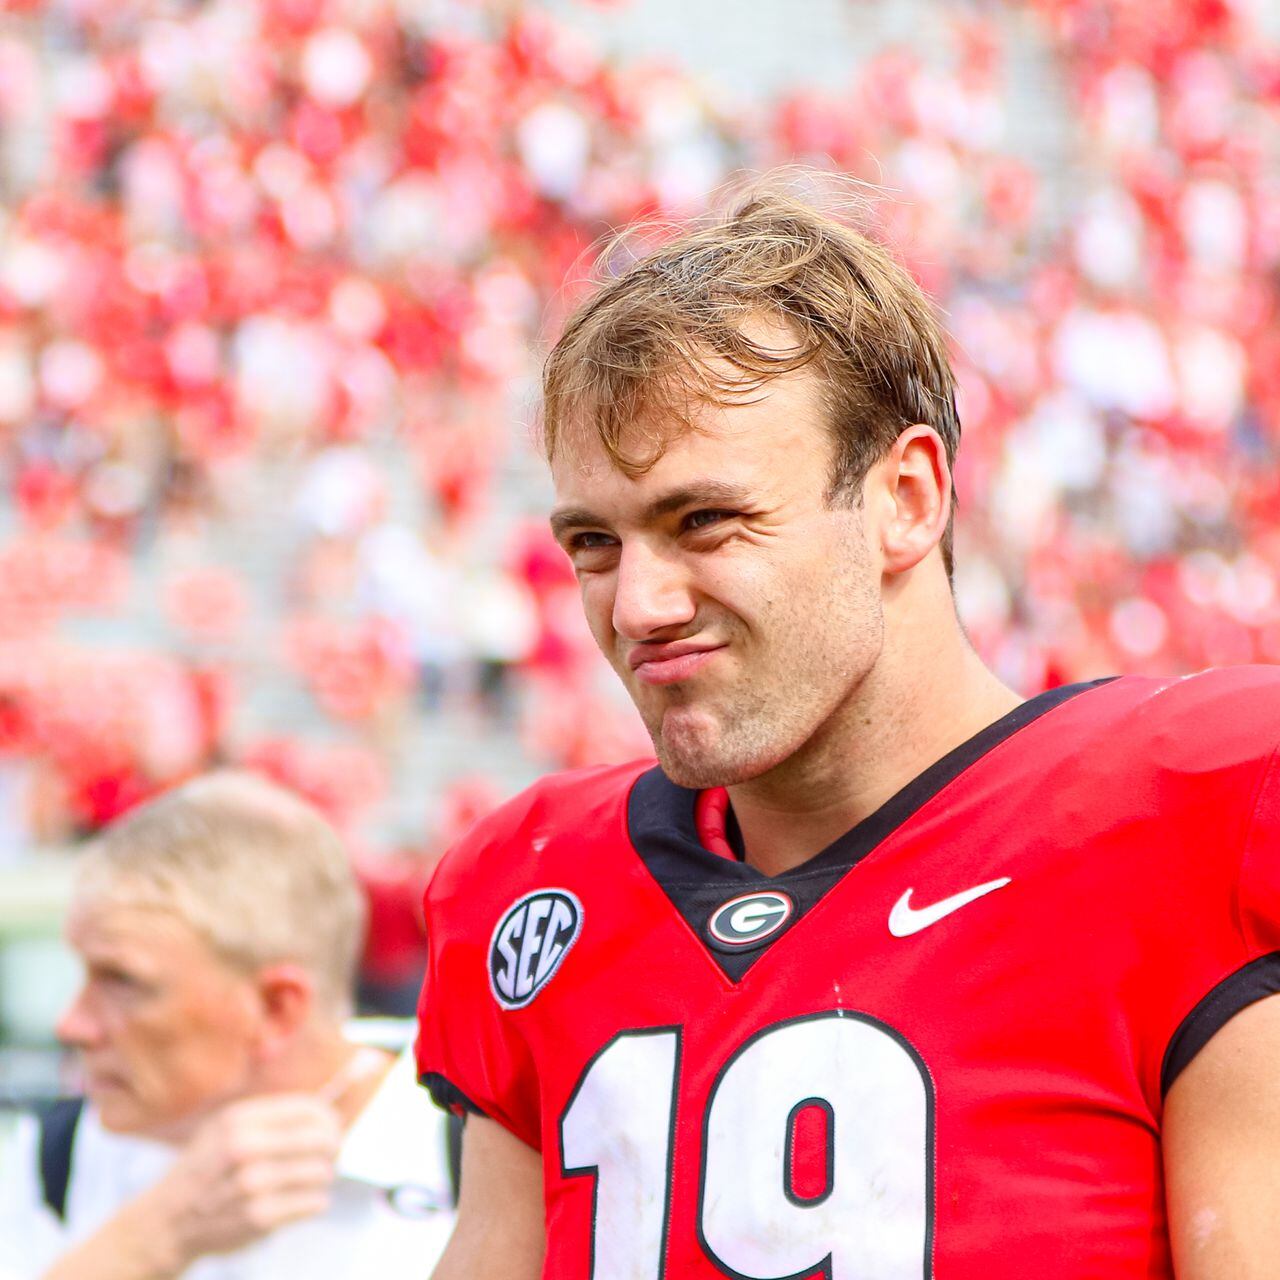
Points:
(938, 1048)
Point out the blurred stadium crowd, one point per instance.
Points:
(274, 280)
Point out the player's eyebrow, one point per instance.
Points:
(698, 493)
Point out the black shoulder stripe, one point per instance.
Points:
(446, 1095)
(1257, 980)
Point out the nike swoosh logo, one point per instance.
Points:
(904, 920)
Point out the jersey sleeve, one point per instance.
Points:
(1260, 868)
(470, 1057)
(1250, 970)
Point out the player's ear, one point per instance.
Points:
(915, 481)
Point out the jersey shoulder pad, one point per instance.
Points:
(504, 851)
(1205, 723)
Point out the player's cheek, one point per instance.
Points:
(597, 599)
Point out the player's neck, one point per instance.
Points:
(908, 713)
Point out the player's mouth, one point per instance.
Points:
(669, 663)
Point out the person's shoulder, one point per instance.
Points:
(1213, 718)
(584, 804)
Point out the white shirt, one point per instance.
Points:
(393, 1159)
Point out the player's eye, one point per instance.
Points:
(591, 540)
(590, 549)
(705, 518)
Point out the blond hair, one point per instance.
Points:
(634, 360)
(254, 869)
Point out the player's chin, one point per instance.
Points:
(693, 752)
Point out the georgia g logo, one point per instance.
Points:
(531, 940)
(750, 918)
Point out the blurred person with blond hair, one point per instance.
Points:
(230, 1128)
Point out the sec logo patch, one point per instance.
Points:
(531, 940)
(750, 918)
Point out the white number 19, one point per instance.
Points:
(871, 1221)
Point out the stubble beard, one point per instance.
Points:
(712, 737)
(724, 740)
(733, 735)
(713, 747)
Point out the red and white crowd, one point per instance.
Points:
(274, 281)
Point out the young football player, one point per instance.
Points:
(881, 972)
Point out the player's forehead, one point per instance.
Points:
(774, 438)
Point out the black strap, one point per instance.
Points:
(58, 1122)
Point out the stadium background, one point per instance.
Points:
(275, 278)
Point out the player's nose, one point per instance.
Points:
(652, 593)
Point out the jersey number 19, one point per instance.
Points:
(848, 1078)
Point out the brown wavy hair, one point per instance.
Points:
(632, 361)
